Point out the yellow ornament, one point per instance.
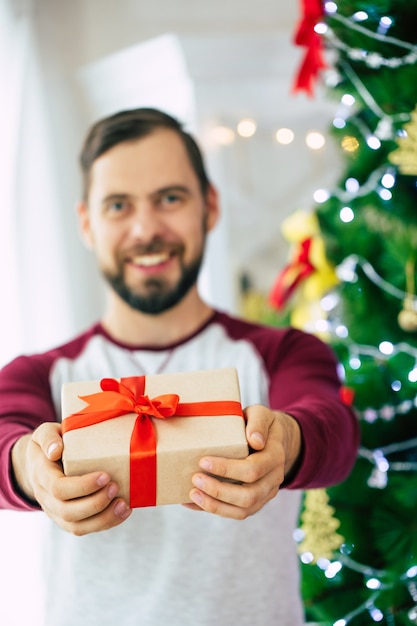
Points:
(407, 317)
(405, 156)
(319, 526)
(324, 278)
(307, 313)
(299, 226)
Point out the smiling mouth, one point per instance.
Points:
(151, 259)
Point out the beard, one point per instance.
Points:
(157, 297)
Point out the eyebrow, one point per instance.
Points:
(111, 197)
(115, 196)
(171, 188)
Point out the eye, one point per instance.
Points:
(171, 198)
(116, 206)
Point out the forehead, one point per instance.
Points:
(153, 161)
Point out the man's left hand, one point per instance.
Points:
(275, 441)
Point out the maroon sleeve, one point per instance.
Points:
(306, 385)
(304, 382)
(25, 402)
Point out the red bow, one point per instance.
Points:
(307, 36)
(300, 268)
(120, 398)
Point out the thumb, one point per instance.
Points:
(258, 423)
(49, 438)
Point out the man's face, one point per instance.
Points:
(147, 220)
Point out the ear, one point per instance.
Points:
(84, 224)
(212, 207)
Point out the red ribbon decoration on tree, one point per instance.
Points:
(307, 36)
(127, 396)
(300, 268)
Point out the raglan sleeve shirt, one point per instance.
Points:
(25, 402)
(306, 385)
(303, 382)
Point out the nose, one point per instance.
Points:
(146, 223)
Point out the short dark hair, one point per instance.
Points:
(130, 125)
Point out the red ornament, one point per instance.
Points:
(347, 395)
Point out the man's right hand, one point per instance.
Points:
(78, 504)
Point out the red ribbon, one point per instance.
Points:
(307, 36)
(300, 268)
(127, 396)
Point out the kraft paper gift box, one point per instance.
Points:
(111, 425)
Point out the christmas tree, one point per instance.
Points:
(352, 281)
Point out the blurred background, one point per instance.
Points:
(325, 228)
(213, 65)
(226, 69)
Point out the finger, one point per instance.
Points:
(114, 515)
(209, 504)
(258, 422)
(72, 487)
(247, 470)
(83, 513)
(49, 439)
(88, 506)
(241, 495)
(192, 506)
(110, 516)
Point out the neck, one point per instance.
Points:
(135, 328)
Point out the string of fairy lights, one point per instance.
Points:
(389, 126)
(346, 271)
(246, 128)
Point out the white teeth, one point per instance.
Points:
(150, 259)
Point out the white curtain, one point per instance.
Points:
(32, 268)
(34, 311)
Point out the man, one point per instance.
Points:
(228, 557)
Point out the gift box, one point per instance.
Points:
(149, 433)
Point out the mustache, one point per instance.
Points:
(156, 246)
